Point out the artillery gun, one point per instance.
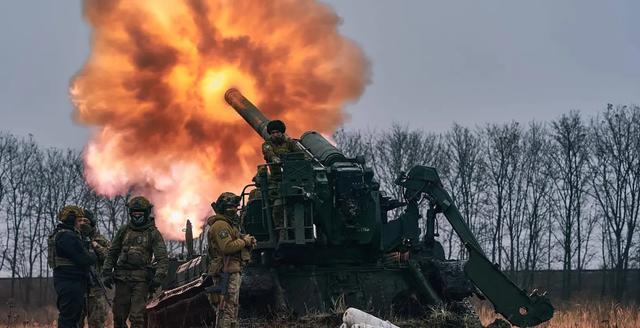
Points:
(336, 244)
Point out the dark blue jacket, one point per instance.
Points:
(69, 245)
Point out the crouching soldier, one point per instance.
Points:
(70, 261)
(128, 264)
(229, 251)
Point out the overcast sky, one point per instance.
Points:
(434, 62)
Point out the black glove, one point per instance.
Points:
(107, 279)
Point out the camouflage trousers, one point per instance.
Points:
(96, 309)
(129, 302)
(227, 313)
(277, 211)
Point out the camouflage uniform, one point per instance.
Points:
(97, 306)
(272, 151)
(130, 257)
(229, 252)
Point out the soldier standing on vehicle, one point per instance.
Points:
(229, 251)
(135, 246)
(273, 148)
(97, 304)
(277, 143)
(70, 261)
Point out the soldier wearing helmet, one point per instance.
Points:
(229, 251)
(134, 248)
(70, 261)
(96, 311)
(273, 148)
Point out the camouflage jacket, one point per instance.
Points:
(272, 151)
(224, 240)
(132, 252)
(101, 248)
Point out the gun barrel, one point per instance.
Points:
(311, 142)
(321, 149)
(248, 111)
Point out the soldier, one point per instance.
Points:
(128, 264)
(273, 148)
(277, 143)
(96, 310)
(229, 252)
(70, 261)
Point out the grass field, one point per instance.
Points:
(587, 314)
(574, 314)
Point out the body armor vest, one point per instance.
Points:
(53, 259)
(136, 250)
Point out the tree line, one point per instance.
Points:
(563, 194)
(35, 183)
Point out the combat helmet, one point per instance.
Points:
(139, 204)
(225, 200)
(276, 125)
(69, 213)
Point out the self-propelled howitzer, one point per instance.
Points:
(349, 213)
(331, 203)
(339, 230)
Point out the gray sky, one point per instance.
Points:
(434, 62)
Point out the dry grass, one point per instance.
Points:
(14, 318)
(589, 314)
(569, 315)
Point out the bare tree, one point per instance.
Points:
(569, 175)
(62, 180)
(616, 183)
(536, 186)
(398, 150)
(19, 202)
(8, 146)
(503, 157)
(466, 178)
(114, 214)
(355, 143)
(33, 236)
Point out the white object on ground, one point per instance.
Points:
(354, 318)
(357, 325)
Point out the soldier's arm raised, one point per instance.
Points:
(114, 250)
(101, 246)
(225, 241)
(160, 255)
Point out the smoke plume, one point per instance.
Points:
(153, 89)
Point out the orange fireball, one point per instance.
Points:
(154, 84)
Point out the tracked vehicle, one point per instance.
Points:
(335, 250)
